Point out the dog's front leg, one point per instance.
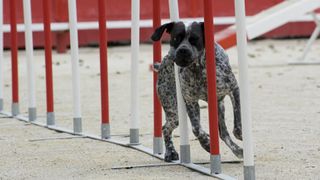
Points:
(193, 111)
(172, 123)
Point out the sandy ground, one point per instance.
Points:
(285, 113)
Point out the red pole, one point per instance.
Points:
(211, 77)
(103, 63)
(14, 52)
(156, 59)
(48, 53)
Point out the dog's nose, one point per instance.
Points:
(184, 52)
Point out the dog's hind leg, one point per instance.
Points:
(172, 123)
(193, 110)
(235, 99)
(223, 132)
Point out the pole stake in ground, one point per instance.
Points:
(1, 56)
(135, 38)
(14, 58)
(105, 125)
(249, 169)
(185, 156)
(48, 56)
(77, 120)
(30, 61)
(157, 138)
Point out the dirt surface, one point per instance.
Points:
(285, 114)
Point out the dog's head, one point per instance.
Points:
(186, 42)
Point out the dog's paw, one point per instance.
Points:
(238, 153)
(171, 155)
(237, 132)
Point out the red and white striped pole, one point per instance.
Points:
(157, 138)
(48, 60)
(215, 160)
(14, 58)
(105, 125)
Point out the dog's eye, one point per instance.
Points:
(193, 40)
(177, 39)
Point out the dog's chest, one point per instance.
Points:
(193, 83)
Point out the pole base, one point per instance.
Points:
(157, 145)
(1, 104)
(185, 154)
(105, 131)
(215, 164)
(134, 136)
(77, 125)
(32, 114)
(15, 109)
(249, 172)
(50, 119)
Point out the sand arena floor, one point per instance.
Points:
(285, 113)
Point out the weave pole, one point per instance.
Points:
(135, 37)
(14, 59)
(32, 111)
(157, 137)
(249, 169)
(77, 121)
(1, 56)
(215, 159)
(48, 59)
(105, 125)
(182, 112)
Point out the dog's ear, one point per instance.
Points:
(203, 34)
(156, 36)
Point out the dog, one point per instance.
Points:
(188, 52)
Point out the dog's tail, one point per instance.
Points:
(156, 67)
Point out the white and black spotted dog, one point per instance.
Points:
(187, 51)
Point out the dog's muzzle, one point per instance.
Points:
(183, 57)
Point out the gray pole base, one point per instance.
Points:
(77, 125)
(134, 136)
(105, 131)
(215, 164)
(249, 173)
(32, 111)
(185, 154)
(1, 104)
(157, 145)
(15, 109)
(50, 118)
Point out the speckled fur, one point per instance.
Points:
(194, 88)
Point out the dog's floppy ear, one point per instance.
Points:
(156, 36)
(203, 34)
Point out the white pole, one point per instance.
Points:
(245, 91)
(135, 37)
(77, 125)
(1, 55)
(182, 113)
(30, 59)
